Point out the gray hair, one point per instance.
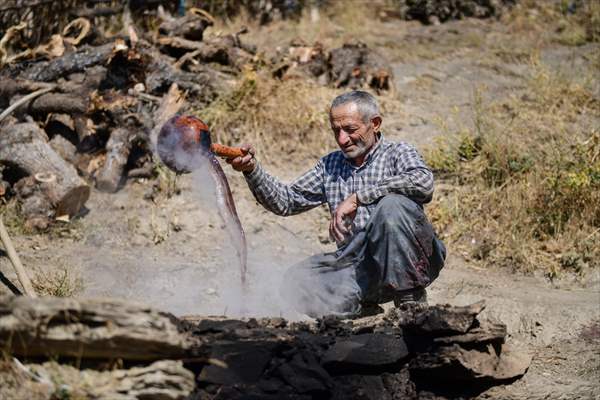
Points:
(365, 103)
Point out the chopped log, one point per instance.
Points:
(354, 65)
(90, 329)
(9, 87)
(224, 50)
(191, 26)
(203, 51)
(21, 101)
(58, 103)
(119, 144)
(169, 106)
(26, 146)
(97, 12)
(77, 61)
(117, 153)
(64, 148)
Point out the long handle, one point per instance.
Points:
(226, 151)
(16, 262)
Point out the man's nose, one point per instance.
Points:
(343, 137)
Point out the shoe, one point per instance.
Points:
(418, 295)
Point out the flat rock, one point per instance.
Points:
(441, 319)
(455, 363)
(366, 351)
(237, 362)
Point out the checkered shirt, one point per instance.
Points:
(388, 168)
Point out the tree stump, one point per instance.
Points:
(53, 182)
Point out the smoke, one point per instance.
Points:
(278, 286)
(206, 280)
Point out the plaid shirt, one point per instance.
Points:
(388, 168)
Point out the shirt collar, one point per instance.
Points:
(370, 154)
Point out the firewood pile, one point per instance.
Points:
(412, 352)
(438, 11)
(80, 110)
(353, 65)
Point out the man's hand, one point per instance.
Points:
(342, 218)
(247, 162)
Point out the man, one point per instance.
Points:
(375, 189)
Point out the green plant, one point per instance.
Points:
(526, 179)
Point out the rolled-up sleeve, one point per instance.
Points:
(304, 193)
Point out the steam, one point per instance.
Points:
(293, 289)
(208, 282)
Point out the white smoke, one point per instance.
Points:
(207, 280)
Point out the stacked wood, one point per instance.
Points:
(353, 65)
(436, 11)
(52, 187)
(415, 351)
(88, 111)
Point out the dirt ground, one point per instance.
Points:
(172, 253)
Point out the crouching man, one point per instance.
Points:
(375, 190)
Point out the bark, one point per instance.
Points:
(117, 153)
(190, 26)
(119, 145)
(77, 61)
(26, 146)
(58, 103)
(64, 148)
(89, 329)
(225, 50)
(354, 65)
(169, 106)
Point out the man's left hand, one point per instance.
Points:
(342, 218)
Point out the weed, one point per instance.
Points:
(62, 282)
(282, 119)
(527, 179)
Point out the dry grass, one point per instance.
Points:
(285, 120)
(62, 282)
(567, 26)
(527, 179)
(16, 224)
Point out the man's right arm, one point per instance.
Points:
(304, 193)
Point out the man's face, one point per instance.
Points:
(352, 134)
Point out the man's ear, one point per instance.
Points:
(376, 121)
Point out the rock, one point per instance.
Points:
(441, 319)
(305, 375)
(455, 363)
(414, 351)
(486, 332)
(366, 352)
(361, 387)
(237, 362)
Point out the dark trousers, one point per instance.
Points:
(396, 252)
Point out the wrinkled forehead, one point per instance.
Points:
(345, 114)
